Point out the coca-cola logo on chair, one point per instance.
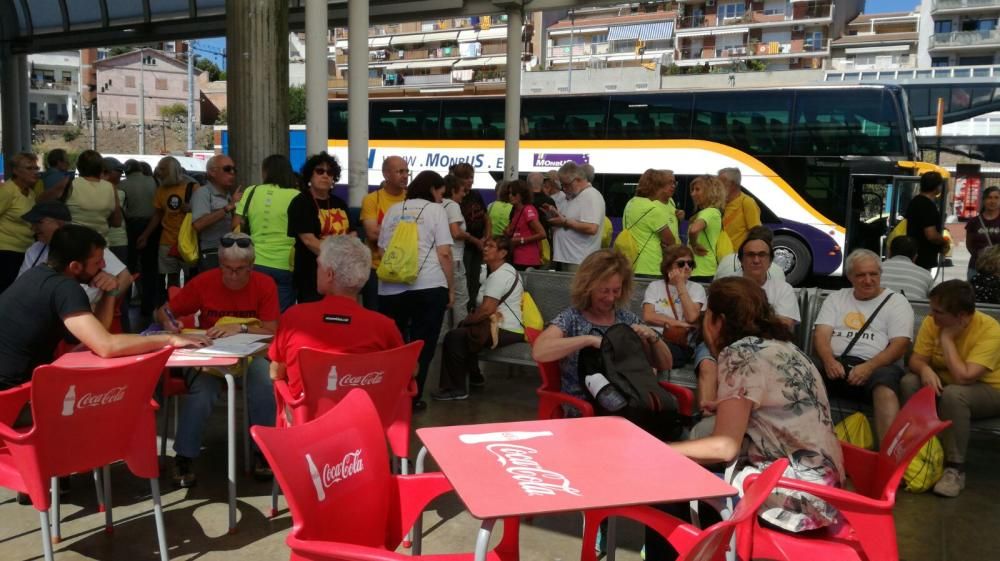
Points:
(333, 380)
(91, 399)
(350, 465)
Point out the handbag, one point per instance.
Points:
(485, 333)
(675, 334)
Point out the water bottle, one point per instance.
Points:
(607, 396)
(331, 379)
(317, 482)
(69, 402)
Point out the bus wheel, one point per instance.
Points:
(793, 257)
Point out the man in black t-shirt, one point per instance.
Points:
(923, 221)
(47, 304)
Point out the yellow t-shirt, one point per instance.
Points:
(90, 204)
(740, 214)
(978, 343)
(15, 233)
(373, 207)
(170, 200)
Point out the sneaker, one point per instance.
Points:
(951, 483)
(183, 474)
(476, 379)
(449, 395)
(261, 471)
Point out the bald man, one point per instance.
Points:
(212, 209)
(395, 177)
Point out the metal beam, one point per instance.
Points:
(65, 15)
(105, 19)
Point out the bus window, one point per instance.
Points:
(472, 119)
(829, 123)
(337, 121)
(409, 120)
(657, 116)
(754, 123)
(563, 118)
(617, 190)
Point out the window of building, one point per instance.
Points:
(161, 83)
(940, 61)
(814, 41)
(130, 109)
(731, 10)
(67, 77)
(942, 26)
(130, 81)
(774, 7)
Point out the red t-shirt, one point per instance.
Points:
(206, 294)
(335, 324)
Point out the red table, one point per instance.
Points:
(529, 468)
(225, 364)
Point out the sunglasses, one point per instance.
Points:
(324, 171)
(229, 169)
(684, 263)
(239, 242)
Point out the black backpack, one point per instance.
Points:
(622, 360)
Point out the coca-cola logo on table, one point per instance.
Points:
(519, 462)
(113, 395)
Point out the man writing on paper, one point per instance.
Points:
(233, 290)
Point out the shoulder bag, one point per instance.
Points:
(483, 334)
(846, 360)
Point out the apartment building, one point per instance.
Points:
(433, 54)
(615, 36)
(159, 76)
(887, 41)
(782, 34)
(959, 32)
(54, 87)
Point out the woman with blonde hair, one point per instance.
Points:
(599, 296)
(709, 196)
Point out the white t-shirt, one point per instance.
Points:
(432, 232)
(38, 254)
(846, 314)
(570, 246)
(454, 212)
(730, 266)
(560, 199)
(656, 294)
(497, 284)
(781, 297)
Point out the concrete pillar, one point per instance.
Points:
(14, 121)
(357, 101)
(257, 90)
(512, 116)
(317, 125)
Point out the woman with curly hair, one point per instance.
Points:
(709, 196)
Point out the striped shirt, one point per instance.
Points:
(904, 276)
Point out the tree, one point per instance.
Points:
(296, 105)
(174, 112)
(214, 72)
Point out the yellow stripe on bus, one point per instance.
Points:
(736, 154)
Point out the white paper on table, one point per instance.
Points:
(223, 348)
(243, 338)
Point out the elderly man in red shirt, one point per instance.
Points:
(233, 290)
(337, 322)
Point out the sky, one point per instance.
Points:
(881, 6)
(213, 48)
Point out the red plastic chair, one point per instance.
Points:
(691, 543)
(551, 398)
(83, 420)
(340, 459)
(386, 376)
(868, 531)
(173, 386)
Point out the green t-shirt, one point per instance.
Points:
(499, 212)
(268, 219)
(645, 219)
(672, 220)
(705, 265)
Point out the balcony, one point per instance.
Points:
(794, 14)
(959, 6)
(53, 85)
(755, 50)
(965, 39)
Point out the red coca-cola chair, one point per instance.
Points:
(691, 543)
(323, 467)
(551, 399)
(83, 419)
(869, 530)
(386, 376)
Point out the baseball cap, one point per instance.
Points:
(47, 209)
(112, 164)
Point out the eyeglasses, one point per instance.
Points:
(681, 263)
(239, 242)
(324, 171)
(756, 254)
(229, 169)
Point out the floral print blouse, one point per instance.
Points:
(790, 419)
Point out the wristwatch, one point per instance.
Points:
(244, 328)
